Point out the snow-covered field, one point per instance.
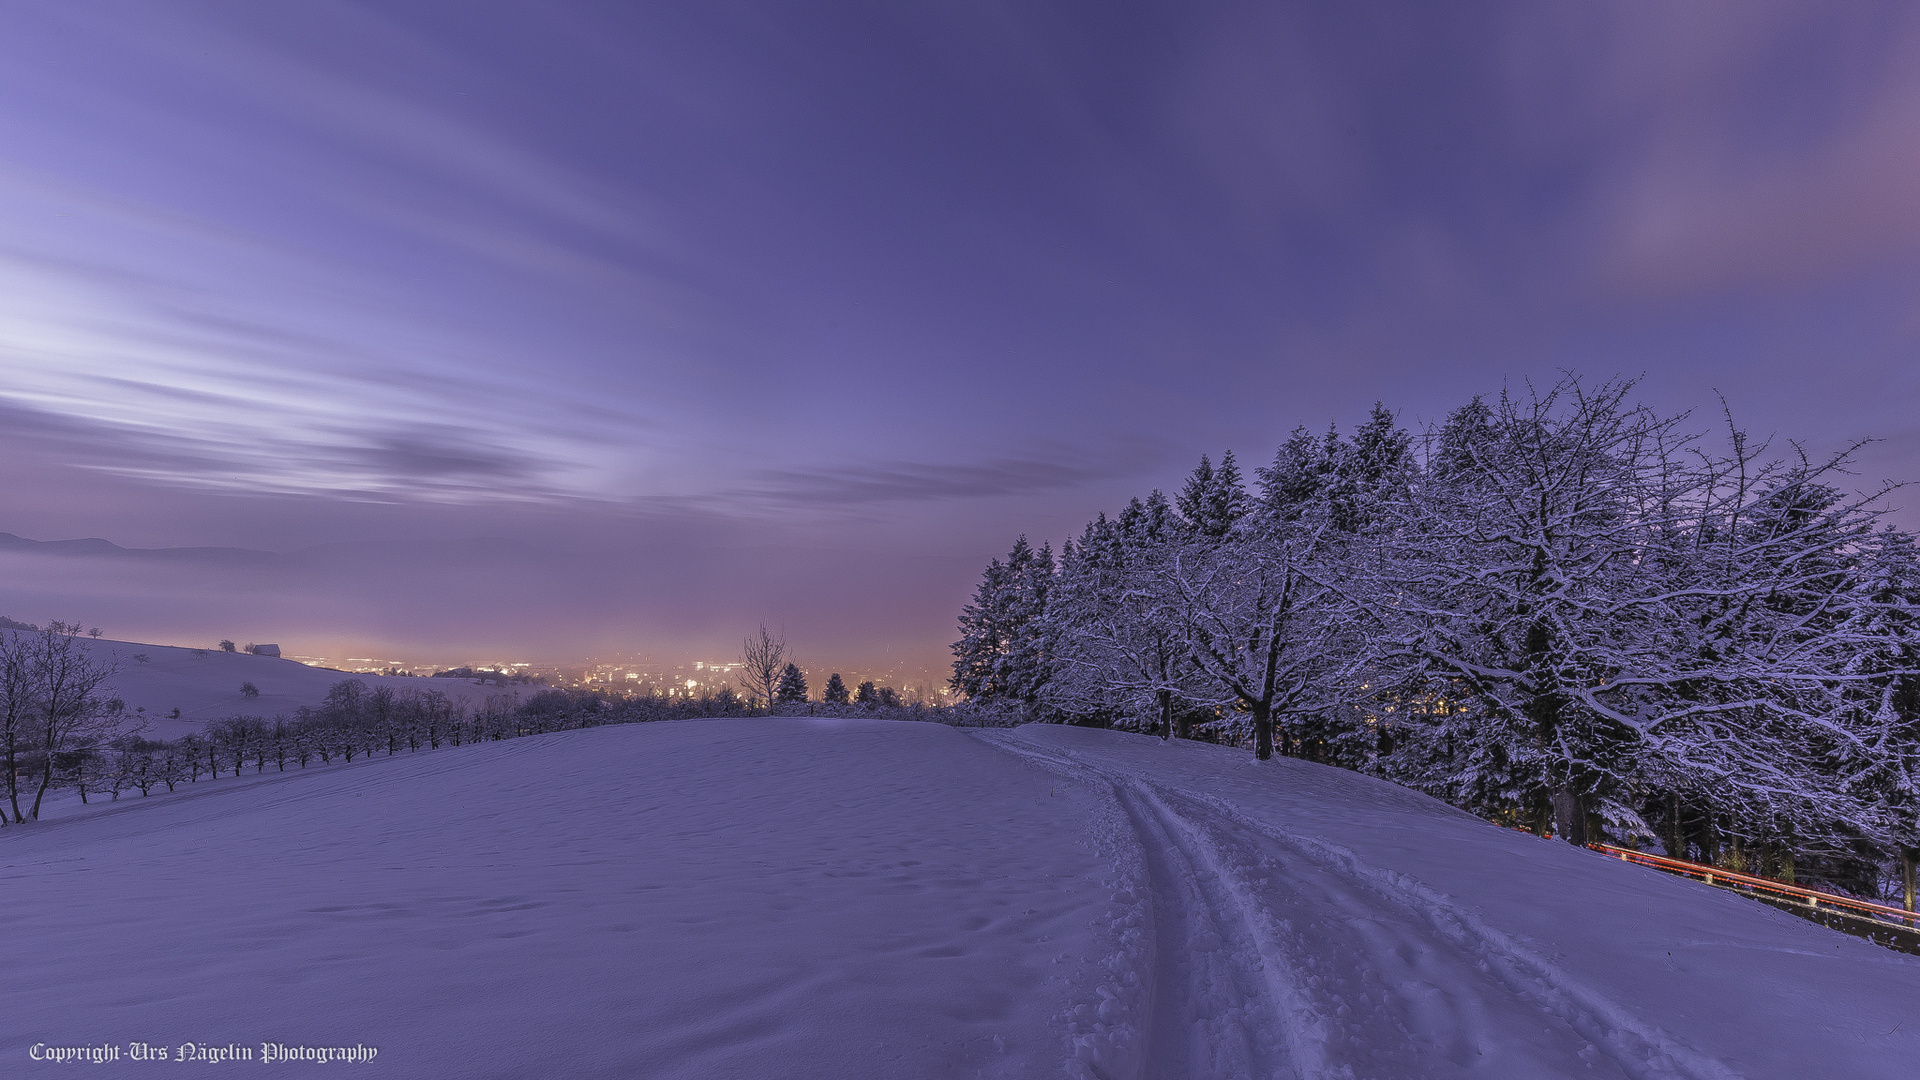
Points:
(863, 899)
(204, 684)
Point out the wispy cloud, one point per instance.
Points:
(915, 482)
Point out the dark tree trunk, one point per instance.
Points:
(13, 783)
(46, 781)
(1262, 731)
(1166, 713)
(1570, 817)
(1908, 857)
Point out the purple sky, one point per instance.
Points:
(577, 327)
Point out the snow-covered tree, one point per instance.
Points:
(69, 711)
(16, 712)
(1352, 482)
(1213, 499)
(1001, 654)
(1596, 583)
(1565, 609)
(835, 692)
(1883, 627)
(1112, 626)
(1262, 618)
(792, 689)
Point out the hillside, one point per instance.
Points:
(204, 684)
(856, 899)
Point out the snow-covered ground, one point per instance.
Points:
(204, 684)
(849, 899)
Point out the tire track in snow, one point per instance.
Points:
(1327, 967)
(1368, 989)
(1212, 1005)
(1210, 1009)
(1499, 970)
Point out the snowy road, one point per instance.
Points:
(871, 900)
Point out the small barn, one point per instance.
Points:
(266, 650)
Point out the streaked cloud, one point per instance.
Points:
(643, 288)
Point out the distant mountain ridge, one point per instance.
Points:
(478, 548)
(94, 546)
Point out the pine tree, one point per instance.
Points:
(1372, 470)
(1302, 471)
(986, 633)
(793, 686)
(1112, 630)
(1197, 492)
(1149, 522)
(835, 692)
(866, 694)
(1463, 440)
(1001, 655)
(1213, 499)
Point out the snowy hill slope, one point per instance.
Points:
(849, 899)
(204, 684)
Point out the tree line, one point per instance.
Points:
(772, 679)
(1559, 609)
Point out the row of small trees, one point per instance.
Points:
(353, 722)
(1558, 609)
(71, 735)
(771, 677)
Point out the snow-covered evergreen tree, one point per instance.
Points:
(1301, 473)
(1001, 655)
(835, 692)
(1350, 480)
(1214, 498)
(1111, 626)
(793, 686)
